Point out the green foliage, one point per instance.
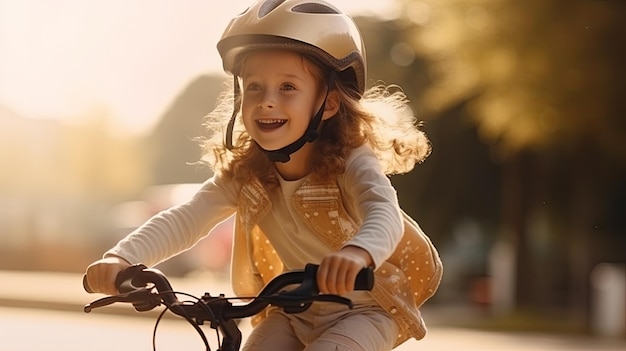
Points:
(548, 73)
(524, 103)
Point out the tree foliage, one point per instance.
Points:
(543, 82)
(547, 73)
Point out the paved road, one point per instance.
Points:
(24, 329)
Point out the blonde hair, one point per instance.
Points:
(381, 118)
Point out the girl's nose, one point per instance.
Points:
(267, 101)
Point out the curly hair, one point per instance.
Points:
(381, 118)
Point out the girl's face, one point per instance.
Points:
(280, 95)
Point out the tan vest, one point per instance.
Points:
(402, 283)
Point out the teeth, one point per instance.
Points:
(271, 121)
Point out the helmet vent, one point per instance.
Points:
(268, 6)
(311, 7)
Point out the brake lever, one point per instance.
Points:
(291, 303)
(334, 298)
(143, 299)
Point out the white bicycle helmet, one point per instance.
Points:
(312, 27)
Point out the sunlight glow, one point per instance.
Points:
(65, 58)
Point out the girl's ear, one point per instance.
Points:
(332, 105)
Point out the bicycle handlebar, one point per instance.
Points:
(148, 288)
(134, 285)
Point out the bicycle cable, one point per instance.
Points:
(186, 317)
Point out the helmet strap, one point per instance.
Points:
(283, 154)
(311, 134)
(231, 122)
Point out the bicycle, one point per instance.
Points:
(147, 288)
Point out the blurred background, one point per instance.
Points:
(524, 193)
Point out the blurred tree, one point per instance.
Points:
(544, 82)
(433, 193)
(172, 144)
(96, 162)
(57, 184)
(548, 71)
(83, 160)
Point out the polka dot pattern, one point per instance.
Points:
(403, 283)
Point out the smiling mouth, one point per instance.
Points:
(270, 123)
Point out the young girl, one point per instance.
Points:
(304, 168)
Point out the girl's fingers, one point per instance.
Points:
(336, 275)
(101, 275)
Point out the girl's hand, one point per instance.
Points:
(102, 273)
(337, 271)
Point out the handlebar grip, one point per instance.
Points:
(365, 279)
(124, 279)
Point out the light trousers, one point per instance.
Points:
(325, 327)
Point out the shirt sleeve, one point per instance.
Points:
(374, 198)
(179, 228)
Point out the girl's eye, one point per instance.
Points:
(288, 86)
(253, 86)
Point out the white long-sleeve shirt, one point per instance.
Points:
(366, 192)
(409, 266)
